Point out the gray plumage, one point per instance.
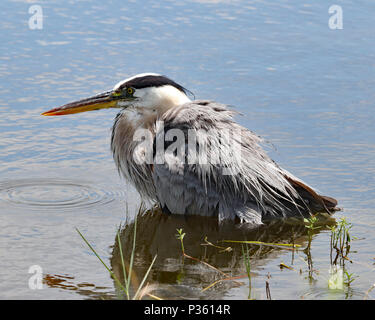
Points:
(192, 157)
(255, 188)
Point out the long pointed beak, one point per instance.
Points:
(100, 101)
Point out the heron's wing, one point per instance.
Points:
(317, 202)
(231, 175)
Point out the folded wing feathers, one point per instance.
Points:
(254, 174)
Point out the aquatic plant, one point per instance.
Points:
(310, 225)
(350, 277)
(340, 241)
(180, 236)
(246, 259)
(125, 287)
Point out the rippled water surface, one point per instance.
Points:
(307, 89)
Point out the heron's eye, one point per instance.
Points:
(129, 91)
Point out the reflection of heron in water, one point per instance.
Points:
(156, 235)
(245, 184)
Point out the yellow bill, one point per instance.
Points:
(100, 101)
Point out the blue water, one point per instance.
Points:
(307, 89)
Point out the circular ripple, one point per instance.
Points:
(54, 194)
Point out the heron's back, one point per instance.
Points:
(210, 165)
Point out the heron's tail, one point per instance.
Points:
(315, 201)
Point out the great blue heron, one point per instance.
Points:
(242, 183)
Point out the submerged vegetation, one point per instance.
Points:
(244, 253)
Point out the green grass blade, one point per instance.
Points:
(122, 261)
(109, 270)
(144, 278)
(132, 254)
(264, 243)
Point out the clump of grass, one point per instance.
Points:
(340, 241)
(125, 287)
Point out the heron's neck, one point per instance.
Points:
(160, 101)
(153, 104)
(168, 97)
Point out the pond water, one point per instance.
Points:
(306, 88)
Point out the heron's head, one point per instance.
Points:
(147, 90)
